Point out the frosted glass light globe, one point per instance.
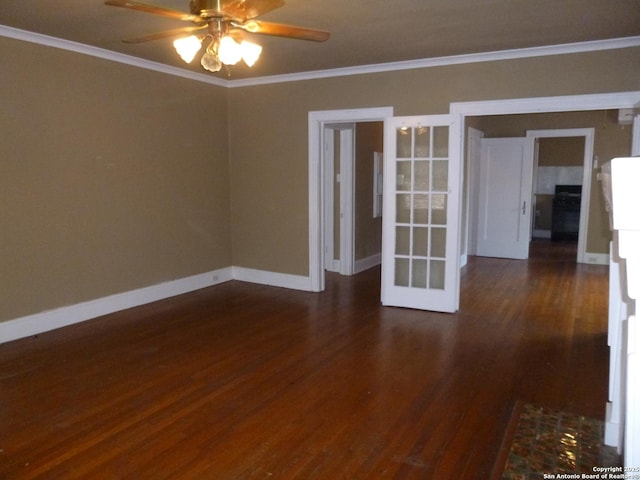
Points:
(229, 51)
(187, 47)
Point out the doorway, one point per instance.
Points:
(599, 138)
(559, 169)
(466, 110)
(530, 205)
(352, 157)
(580, 174)
(317, 180)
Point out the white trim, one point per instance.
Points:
(541, 233)
(568, 103)
(587, 166)
(333, 266)
(92, 51)
(596, 258)
(635, 138)
(62, 317)
(613, 431)
(346, 228)
(317, 121)
(65, 316)
(367, 263)
(347, 198)
(273, 279)
(473, 160)
(598, 101)
(562, 49)
(331, 263)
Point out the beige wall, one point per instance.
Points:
(269, 131)
(561, 152)
(368, 230)
(112, 178)
(610, 140)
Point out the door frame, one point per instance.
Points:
(569, 103)
(347, 131)
(588, 165)
(317, 119)
(316, 128)
(635, 136)
(470, 221)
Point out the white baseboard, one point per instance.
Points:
(596, 258)
(64, 316)
(285, 280)
(358, 266)
(333, 266)
(367, 263)
(613, 432)
(541, 233)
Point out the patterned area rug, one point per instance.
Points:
(544, 443)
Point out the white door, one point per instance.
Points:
(339, 157)
(421, 212)
(505, 192)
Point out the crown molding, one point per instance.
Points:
(92, 51)
(568, 48)
(567, 103)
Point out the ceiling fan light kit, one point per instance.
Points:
(221, 50)
(224, 20)
(187, 47)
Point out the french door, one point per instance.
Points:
(421, 212)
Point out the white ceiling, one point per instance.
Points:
(363, 32)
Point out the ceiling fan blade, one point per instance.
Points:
(244, 10)
(143, 7)
(288, 31)
(166, 34)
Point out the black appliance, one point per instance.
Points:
(565, 213)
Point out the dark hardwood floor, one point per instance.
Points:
(242, 381)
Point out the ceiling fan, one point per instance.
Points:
(220, 25)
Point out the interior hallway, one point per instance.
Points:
(242, 381)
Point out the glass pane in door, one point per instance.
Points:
(421, 206)
(402, 272)
(423, 141)
(404, 142)
(440, 142)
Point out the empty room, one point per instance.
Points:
(300, 261)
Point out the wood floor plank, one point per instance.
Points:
(244, 381)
